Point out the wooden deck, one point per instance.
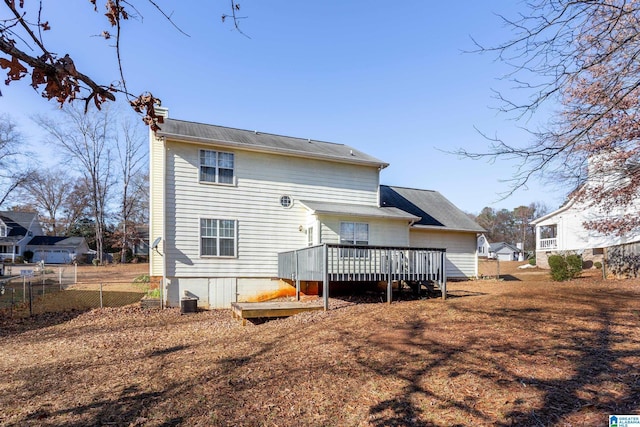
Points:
(252, 310)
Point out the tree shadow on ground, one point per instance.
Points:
(593, 348)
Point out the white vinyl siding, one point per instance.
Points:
(264, 226)
(462, 261)
(381, 232)
(156, 203)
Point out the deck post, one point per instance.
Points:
(295, 254)
(443, 285)
(389, 286)
(325, 281)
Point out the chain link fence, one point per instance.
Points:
(30, 290)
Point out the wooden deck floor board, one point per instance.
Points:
(252, 310)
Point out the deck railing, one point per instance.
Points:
(332, 263)
(548, 244)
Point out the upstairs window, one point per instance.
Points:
(218, 237)
(216, 166)
(3, 229)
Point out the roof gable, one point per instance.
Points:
(180, 130)
(432, 207)
(18, 222)
(497, 247)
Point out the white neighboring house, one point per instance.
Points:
(58, 249)
(16, 230)
(562, 231)
(225, 202)
(483, 246)
(504, 251)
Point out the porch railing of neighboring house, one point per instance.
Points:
(332, 262)
(548, 244)
(9, 256)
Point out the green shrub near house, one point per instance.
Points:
(565, 267)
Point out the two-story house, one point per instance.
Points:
(16, 230)
(225, 202)
(564, 231)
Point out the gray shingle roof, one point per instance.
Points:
(432, 207)
(56, 241)
(18, 222)
(498, 246)
(259, 141)
(358, 210)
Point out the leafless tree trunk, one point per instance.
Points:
(13, 172)
(48, 191)
(85, 139)
(131, 146)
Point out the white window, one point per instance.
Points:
(310, 236)
(354, 233)
(216, 166)
(3, 229)
(286, 202)
(217, 237)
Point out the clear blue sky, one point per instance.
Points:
(389, 78)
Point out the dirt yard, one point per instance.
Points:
(522, 351)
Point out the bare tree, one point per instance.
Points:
(25, 53)
(13, 172)
(86, 139)
(581, 58)
(132, 156)
(77, 205)
(511, 226)
(48, 191)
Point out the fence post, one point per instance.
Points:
(100, 294)
(30, 299)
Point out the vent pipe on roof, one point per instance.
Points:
(351, 152)
(255, 131)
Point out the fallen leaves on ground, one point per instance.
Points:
(521, 352)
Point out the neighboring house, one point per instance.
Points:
(563, 231)
(227, 203)
(483, 246)
(58, 249)
(16, 230)
(141, 244)
(504, 251)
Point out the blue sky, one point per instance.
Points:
(390, 79)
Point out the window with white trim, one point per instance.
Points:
(3, 229)
(310, 236)
(216, 166)
(354, 233)
(218, 237)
